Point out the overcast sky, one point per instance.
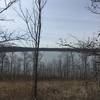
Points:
(60, 19)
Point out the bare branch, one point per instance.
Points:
(89, 43)
(2, 19)
(93, 10)
(44, 4)
(7, 5)
(18, 14)
(6, 37)
(95, 6)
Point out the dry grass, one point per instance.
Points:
(50, 90)
(15, 90)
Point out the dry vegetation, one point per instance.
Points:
(50, 90)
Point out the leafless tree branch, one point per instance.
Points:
(95, 6)
(89, 43)
(7, 5)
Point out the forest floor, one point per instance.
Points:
(50, 90)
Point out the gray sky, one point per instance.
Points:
(60, 19)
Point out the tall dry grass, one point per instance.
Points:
(50, 90)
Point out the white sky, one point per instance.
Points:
(60, 19)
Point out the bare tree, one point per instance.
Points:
(2, 57)
(60, 66)
(27, 58)
(89, 44)
(73, 65)
(33, 23)
(11, 56)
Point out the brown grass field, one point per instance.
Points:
(50, 90)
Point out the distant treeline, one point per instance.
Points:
(67, 66)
